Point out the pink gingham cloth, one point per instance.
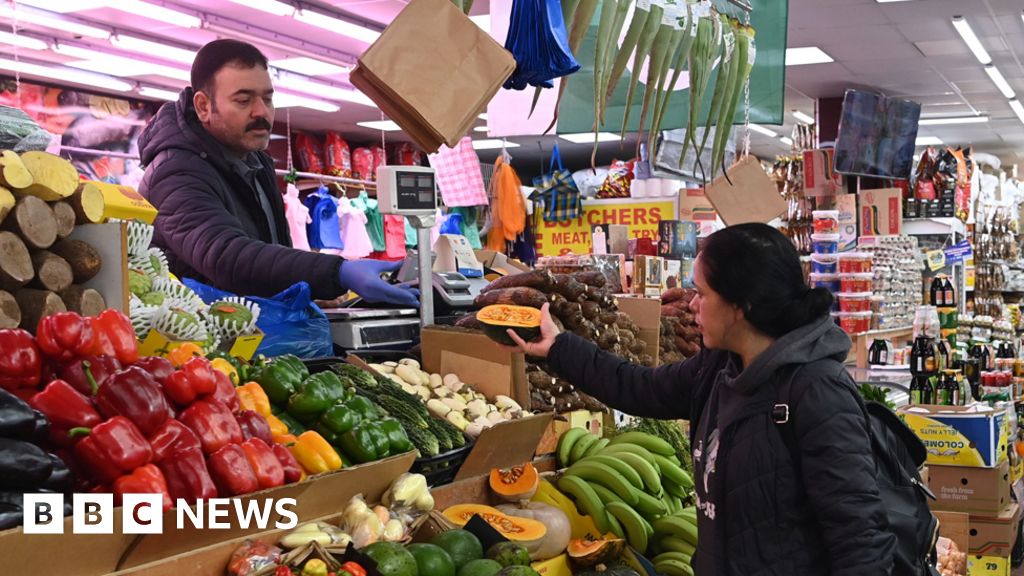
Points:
(458, 175)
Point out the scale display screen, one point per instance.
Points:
(415, 192)
(407, 190)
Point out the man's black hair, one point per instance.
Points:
(218, 54)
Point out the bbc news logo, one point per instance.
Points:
(143, 514)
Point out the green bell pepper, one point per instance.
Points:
(339, 419)
(332, 437)
(381, 443)
(314, 396)
(281, 378)
(360, 444)
(398, 440)
(365, 407)
(294, 426)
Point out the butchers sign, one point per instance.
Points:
(574, 236)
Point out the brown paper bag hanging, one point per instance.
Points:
(752, 196)
(438, 63)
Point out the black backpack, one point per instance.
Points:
(899, 454)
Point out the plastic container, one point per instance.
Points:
(823, 263)
(861, 282)
(855, 322)
(854, 262)
(827, 281)
(826, 221)
(854, 302)
(824, 243)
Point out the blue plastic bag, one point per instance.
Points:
(290, 321)
(452, 224)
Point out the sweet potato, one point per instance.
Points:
(36, 304)
(672, 295)
(519, 296)
(65, 216)
(15, 263)
(53, 178)
(10, 313)
(536, 279)
(53, 273)
(85, 301)
(13, 172)
(88, 203)
(85, 261)
(33, 220)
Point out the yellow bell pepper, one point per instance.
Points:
(278, 429)
(314, 454)
(226, 368)
(184, 353)
(252, 397)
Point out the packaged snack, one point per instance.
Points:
(308, 153)
(825, 243)
(337, 155)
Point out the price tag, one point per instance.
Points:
(936, 259)
(644, 5)
(668, 18)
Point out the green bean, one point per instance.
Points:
(679, 31)
(619, 20)
(608, 10)
(637, 25)
(643, 48)
(722, 84)
(679, 60)
(747, 54)
(698, 70)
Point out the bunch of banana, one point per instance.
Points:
(675, 540)
(626, 484)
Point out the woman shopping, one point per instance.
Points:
(763, 508)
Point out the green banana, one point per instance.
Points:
(585, 443)
(604, 494)
(566, 442)
(649, 474)
(586, 499)
(675, 556)
(620, 466)
(674, 544)
(675, 490)
(676, 526)
(597, 447)
(652, 443)
(673, 568)
(690, 513)
(596, 472)
(615, 526)
(674, 474)
(636, 532)
(650, 507)
(616, 449)
(673, 503)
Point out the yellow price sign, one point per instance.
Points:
(574, 236)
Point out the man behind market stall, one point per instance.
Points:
(220, 214)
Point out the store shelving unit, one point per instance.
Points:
(952, 228)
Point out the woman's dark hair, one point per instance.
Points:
(756, 268)
(218, 54)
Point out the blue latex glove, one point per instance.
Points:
(364, 278)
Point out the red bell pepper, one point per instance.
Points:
(65, 407)
(191, 381)
(187, 476)
(65, 335)
(353, 568)
(254, 425)
(111, 449)
(134, 394)
(224, 392)
(99, 367)
(157, 367)
(101, 345)
(146, 479)
(231, 471)
(215, 426)
(119, 331)
(21, 365)
(292, 470)
(267, 467)
(172, 437)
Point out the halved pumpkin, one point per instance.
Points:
(515, 483)
(593, 551)
(498, 318)
(515, 529)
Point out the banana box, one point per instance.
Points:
(987, 566)
(557, 566)
(960, 435)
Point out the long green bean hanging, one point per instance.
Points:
(643, 47)
(679, 61)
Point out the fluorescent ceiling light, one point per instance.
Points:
(154, 12)
(887, 1)
(953, 120)
(337, 26)
(382, 125)
(66, 75)
(157, 93)
(802, 117)
(762, 130)
(54, 22)
(927, 141)
(65, 6)
(807, 55)
(999, 81)
(96, 61)
(1018, 108)
(493, 144)
(483, 21)
(786, 140)
(483, 116)
(22, 41)
(282, 100)
(155, 49)
(480, 129)
(270, 6)
(967, 33)
(323, 90)
(309, 66)
(588, 137)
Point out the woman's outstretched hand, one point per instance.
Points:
(541, 347)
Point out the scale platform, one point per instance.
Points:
(374, 328)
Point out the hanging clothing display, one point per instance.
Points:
(374, 220)
(410, 235)
(323, 230)
(468, 225)
(297, 215)
(458, 175)
(508, 211)
(394, 236)
(353, 232)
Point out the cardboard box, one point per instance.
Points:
(125, 203)
(956, 526)
(846, 204)
(500, 262)
(881, 212)
(454, 254)
(647, 276)
(557, 566)
(820, 177)
(695, 206)
(969, 489)
(751, 196)
(111, 241)
(960, 436)
(995, 535)
(646, 314)
(592, 422)
(988, 566)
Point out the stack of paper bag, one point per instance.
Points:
(433, 71)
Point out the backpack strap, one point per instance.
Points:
(782, 411)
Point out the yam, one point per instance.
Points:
(536, 279)
(88, 204)
(13, 172)
(591, 310)
(592, 278)
(672, 295)
(15, 263)
(85, 261)
(53, 178)
(521, 296)
(85, 301)
(10, 313)
(53, 273)
(469, 321)
(65, 216)
(7, 203)
(567, 286)
(37, 304)
(33, 220)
